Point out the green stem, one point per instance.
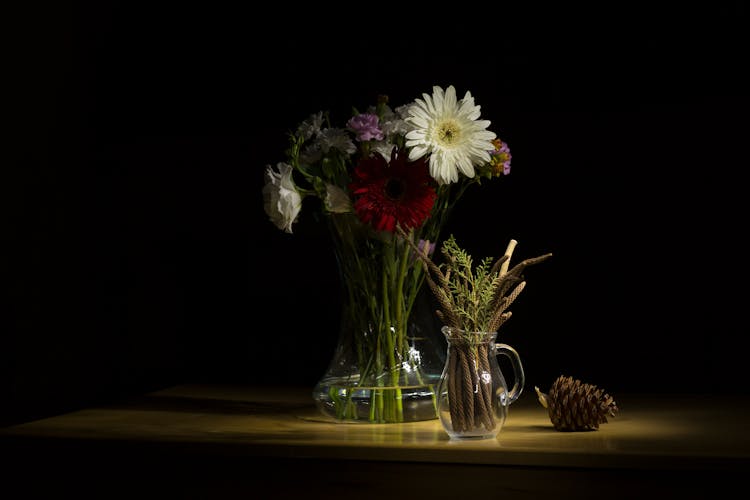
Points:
(396, 406)
(400, 323)
(386, 327)
(382, 284)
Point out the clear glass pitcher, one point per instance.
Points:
(473, 396)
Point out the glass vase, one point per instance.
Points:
(473, 396)
(388, 358)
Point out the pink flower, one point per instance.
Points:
(365, 125)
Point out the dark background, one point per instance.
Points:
(136, 253)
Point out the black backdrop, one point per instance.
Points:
(137, 253)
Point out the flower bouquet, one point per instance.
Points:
(384, 176)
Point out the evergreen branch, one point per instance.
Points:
(473, 298)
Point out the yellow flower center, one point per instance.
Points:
(448, 133)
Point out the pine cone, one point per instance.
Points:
(575, 406)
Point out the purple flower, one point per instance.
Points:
(430, 247)
(421, 246)
(500, 157)
(365, 125)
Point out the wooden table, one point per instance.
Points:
(232, 441)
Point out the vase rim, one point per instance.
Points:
(453, 332)
(455, 328)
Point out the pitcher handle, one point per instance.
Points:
(518, 375)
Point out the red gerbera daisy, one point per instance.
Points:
(395, 192)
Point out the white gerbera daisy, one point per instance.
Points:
(450, 132)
